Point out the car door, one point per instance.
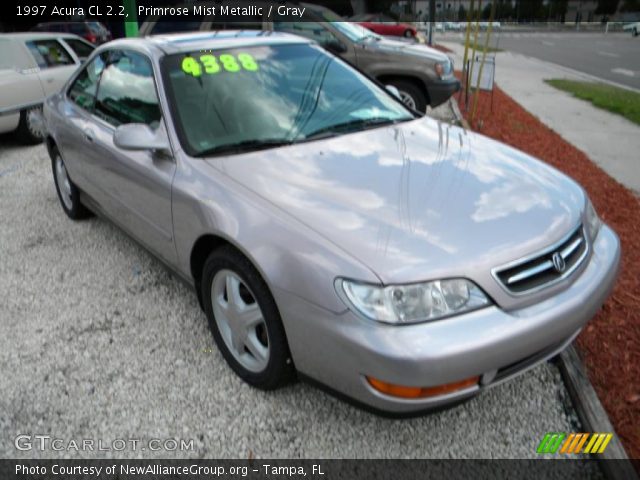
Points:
(133, 187)
(55, 61)
(20, 85)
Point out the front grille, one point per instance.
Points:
(545, 268)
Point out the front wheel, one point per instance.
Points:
(244, 320)
(635, 32)
(408, 33)
(411, 95)
(68, 193)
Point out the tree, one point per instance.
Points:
(486, 11)
(462, 13)
(607, 7)
(531, 10)
(630, 6)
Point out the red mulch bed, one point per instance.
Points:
(610, 345)
(442, 48)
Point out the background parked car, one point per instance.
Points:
(384, 25)
(32, 67)
(93, 32)
(634, 28)
(422, 75)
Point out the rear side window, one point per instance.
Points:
(127, 92)
(83, 90)
(49, 53)
(80, 48)
(313, 30)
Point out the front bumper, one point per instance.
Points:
(340, 350)
(441, 90)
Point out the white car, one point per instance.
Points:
(32, 67)
(634, 28)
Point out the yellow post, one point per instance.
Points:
(473, 50)
(466, 37)
(484, 57)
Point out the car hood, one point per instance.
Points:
(403, 48)
(416, 200)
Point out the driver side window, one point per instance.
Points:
(127, 91)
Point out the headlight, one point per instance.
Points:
(592, 221)
(444, 69)
(419, 302)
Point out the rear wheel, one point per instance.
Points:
(244, 320)
(30, 130)
(408, 33)
(635, 32)
(410, 94)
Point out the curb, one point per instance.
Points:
(593, 416)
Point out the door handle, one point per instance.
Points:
(49, 80)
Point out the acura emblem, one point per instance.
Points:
(558, 262)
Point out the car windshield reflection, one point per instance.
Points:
(257, 97)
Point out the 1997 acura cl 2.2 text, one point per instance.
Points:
(327, 229)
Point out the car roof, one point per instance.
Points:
(168, 44)
(26, 36)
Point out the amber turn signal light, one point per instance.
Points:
(421, 392)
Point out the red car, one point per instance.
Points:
(384, 25)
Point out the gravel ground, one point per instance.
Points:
(98, 341)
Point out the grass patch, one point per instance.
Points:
(617, 100)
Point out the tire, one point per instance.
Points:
(226, 303)
(68, 193)
(412, 95)
(30, 129)
(635, 32)
(408, 34)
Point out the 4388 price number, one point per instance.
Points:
(210, 64)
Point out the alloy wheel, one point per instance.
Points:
(64, 184)
(407, 99)
(240, 321)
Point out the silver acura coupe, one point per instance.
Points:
(329, 231)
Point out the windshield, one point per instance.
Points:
(259, 97)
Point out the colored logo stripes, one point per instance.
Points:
(574, 443)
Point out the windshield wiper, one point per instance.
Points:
(244, 146)
(352, 125)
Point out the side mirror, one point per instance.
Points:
(393, 91)
(335, 46)
(138, 136)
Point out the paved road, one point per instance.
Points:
(98, 342)
(614, 56)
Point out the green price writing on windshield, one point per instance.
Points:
(210, 64)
